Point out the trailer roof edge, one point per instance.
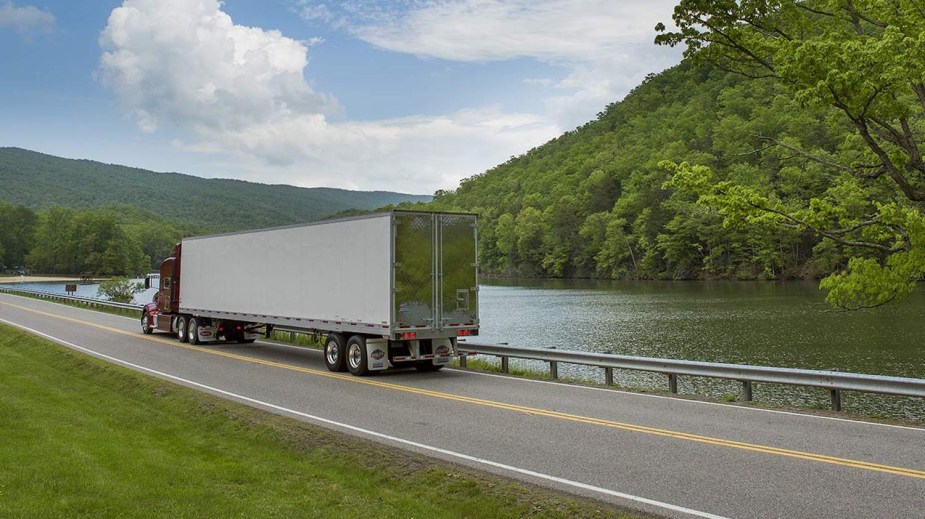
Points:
(326, 221)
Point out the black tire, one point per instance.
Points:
(426, 366)
(182, 323)
(145, 327)
(192, 332)
(357, 359)
(335, 352)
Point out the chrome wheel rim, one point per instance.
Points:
(331, 353)
(192, 331)
(354, 356)
(144, 323)
(181, 327)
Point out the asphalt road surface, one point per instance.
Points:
(669, 456)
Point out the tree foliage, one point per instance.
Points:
(864, 62)
(120, 289)
(109, 241)
(40, 181)
(593, 202)
(17, 229)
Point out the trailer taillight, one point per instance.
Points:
(238, 328)
(466, 333)
(409, 335)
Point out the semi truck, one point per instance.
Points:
(387, 290)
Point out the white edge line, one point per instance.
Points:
(367, 432)
(574, 386)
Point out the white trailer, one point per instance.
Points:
(389, 289)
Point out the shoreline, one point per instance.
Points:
(38, 279)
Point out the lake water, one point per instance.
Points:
(769, 324)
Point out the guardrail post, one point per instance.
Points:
(462, 360)
(672, 382)
(608, 376)
(747, 390)
(291, 336)
(553, 370)
(504, 365)
(836, 399)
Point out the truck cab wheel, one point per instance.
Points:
(357, 360)
(145, 327)
(335, 352)
(182, 323)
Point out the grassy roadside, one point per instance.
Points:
(80, 437)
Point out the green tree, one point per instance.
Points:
(506, 237)
(53, 251)
(73, 242)
(864, 60)
(120, 289)
(17, 230)
(530, 237)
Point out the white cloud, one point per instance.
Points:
(186, 62)
(25, 19)
(605, 44)
(412, 154)
(240, 91)
(487, 30)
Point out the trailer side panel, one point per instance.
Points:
(336, 271)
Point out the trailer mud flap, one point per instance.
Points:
(444, 350)
(377, 351)
(207, 333)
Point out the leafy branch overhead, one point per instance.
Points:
(863, 60)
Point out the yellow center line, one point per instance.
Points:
(821, 458)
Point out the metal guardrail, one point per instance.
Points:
(834, 381)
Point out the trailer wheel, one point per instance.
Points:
(335, 352)
(192, 334)
(182, 323)
(427, 366)
(145, 326)
(357, 361)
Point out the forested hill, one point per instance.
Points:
(591, 203)
(39, 181)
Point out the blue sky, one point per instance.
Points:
(404, 96)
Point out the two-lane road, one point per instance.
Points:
(670, 456)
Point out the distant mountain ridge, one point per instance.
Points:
(37, 180)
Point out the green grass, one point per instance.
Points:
(80, 438)
(477, 364)
(299, 339)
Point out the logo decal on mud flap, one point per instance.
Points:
(377, 354)
(442, 351)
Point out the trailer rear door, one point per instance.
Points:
(435, 270)
(458, 270)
